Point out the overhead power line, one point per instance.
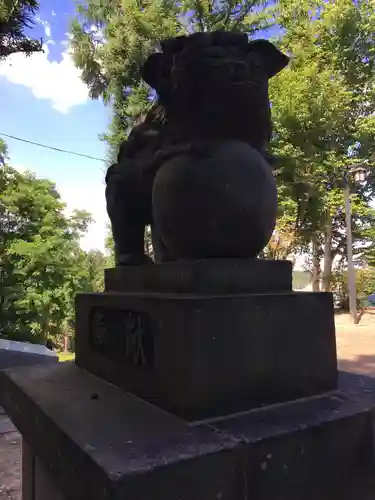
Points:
(79, 154)
(51, 147)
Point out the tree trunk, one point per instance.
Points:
(315, 263)
(66, 343)
(328, 256)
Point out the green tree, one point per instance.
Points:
(41, 262)
(322, 108)
(86, 275)
(94, 264)
(112, 38)
(365, 285)
(3, 152)
(15, 16)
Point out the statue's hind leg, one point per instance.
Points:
(128, 206)
(161, 252)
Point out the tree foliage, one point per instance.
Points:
(3, 152)
(365, 284)
(42, 266)
(323, 114)
(15, 17)
(322, 104)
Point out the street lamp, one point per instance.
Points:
(360, 173)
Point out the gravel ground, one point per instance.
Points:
(356, 344)
(10, 460)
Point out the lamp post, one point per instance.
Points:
(360, 174)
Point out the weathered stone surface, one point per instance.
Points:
(195, 168)
(214, 277)
(28, 472)
(93, 441)
(96, 442)
(218, 200)
(310, 449)
(44, 486)
(199, 356)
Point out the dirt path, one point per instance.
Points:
(356, 344)
(10, 460)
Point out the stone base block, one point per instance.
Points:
(94, 441)
(212, 277)
(37, 483)
(313, 449)
(200, 356)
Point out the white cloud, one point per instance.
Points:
(65, 42)
(58, 82)
(47, 29)
(53, 13)
(46, 25)
(92, 199)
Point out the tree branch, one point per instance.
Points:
(246, 9)
(200, 14)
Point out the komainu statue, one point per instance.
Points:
(196, 168)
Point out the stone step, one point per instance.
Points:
(95, 441)
(305, 450)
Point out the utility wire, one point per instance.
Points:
(51, 147)
(74, 152)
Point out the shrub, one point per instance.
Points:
(365, 286)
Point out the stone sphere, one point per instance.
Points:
(217, 201)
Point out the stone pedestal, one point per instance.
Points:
(89, 439)
(208, 338)
(207, 380)
(37, 484)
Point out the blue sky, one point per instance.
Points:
(43, 100)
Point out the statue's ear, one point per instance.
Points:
(273, 59)
(152, 70)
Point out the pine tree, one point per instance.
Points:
(15, 16)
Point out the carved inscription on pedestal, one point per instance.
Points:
(122, 336)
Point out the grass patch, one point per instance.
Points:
(66, 356)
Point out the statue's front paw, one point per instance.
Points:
(132, 260)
